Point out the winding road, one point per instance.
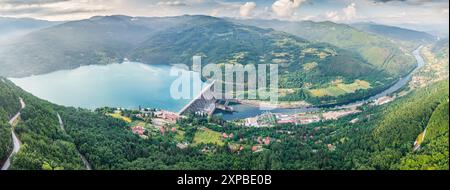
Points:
(16, 141)
(86, 163)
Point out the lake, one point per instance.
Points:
(130, 85)
(125, 85)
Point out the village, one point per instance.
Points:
(154, 123)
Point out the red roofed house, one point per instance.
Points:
(162, 130)
(168, 116)
(267, 141)
(138, 130)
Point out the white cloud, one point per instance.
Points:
(214, 12)
(350, 11)
(171, 3)
(333, 16)
(286, 8)
(347, 14)
(246, 10)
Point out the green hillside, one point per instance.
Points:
(385, 138)
(9, 105)
(222, 42)
(376, 50)
(440, 48)
(433, 154)
(396, 33)
(44, 145)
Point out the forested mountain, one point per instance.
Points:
(364, 62)
(376, 50)
(102, 40)
(172, 40)
(16, 27)
(401, 123)
(9, 106)
(440, 48)
(396, 33)
(44, 145)
(5, 137)
(433, 154)
(383, 138)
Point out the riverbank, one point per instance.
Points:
(250, 109)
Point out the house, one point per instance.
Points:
(167, 116)
(251, 122)
(138, 130)
(267, 141)
(182, 145)
(331, 147)
(259, 140)
(162, 130)
(287, 121)
(257, 148)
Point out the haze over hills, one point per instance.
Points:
(14, 27)
(101, 40)
(171, 40)
(377, 50)
(395, 32)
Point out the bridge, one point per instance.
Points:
(205, 103)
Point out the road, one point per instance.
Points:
(16, 141)
(86, 163)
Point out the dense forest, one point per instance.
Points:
(44, 145)
(382, 138)
(9, 105)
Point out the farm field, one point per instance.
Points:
(341, 89)
(207, 136)
(119, 116)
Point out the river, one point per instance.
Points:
(245, 111)
(130, 85)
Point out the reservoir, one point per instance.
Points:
(130, 85)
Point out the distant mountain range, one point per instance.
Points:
(19, 26)
(100, 40)
(170, 40)
(312, 54)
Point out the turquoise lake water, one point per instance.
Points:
(130, 85)
(126, 85)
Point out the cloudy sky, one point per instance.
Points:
(426, 13)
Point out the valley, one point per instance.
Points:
(309, 68)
